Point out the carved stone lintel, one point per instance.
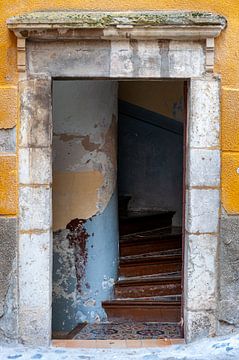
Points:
(209, 54)
(114, 26)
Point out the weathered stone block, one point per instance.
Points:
(202, 211)
(201, 272)
(8, 140)
(36, 126)
(8, 185)
(35, 206)
(35, 326)
(121, 59)
(204, 113)
(200, 324)
(77, 58)
(150, 59)
(8, 228)
(186, 59)
(8, 107)
(35, 270)
(230, 182)
(229, 270)
(35, 166)
(203, 167)
(8, 279)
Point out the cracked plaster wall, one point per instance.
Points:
(84, 187)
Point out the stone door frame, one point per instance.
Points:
(140, 46)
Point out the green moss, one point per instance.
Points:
(102, 20)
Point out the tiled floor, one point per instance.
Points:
(128, 331)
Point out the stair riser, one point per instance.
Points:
(149, 269)
(132, 225)
(127, 249)
(136, 313)
(134, 291)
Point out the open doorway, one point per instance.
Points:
(117, 209)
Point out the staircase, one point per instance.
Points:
(149, 284)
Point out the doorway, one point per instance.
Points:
(117, 210)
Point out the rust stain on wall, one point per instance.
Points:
(77, 239)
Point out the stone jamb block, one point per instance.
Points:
(35, 208)
(199, 324)
(202, 210)
(35, 259)
(35, 326)
(31, 163)
(201, 272)
(203, 167)
(204, 117)
(36, 124)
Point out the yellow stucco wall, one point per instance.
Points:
(227, 63)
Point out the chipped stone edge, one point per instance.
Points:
(91, 19)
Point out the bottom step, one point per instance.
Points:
(143, 310)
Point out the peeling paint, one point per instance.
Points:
(85, 136)
(71, 306)
(84, 183)
(107, 283)
(88, 145)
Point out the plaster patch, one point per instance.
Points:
(75, 195)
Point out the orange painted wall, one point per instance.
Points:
(227, 63)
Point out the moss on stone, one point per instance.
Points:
(78, 19)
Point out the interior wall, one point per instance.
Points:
(151, 145)
(85, 237)
(163, 97)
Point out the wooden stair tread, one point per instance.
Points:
(143, 309)
(169, 252)
(149, 282)
(132, 302)
(149, 257)
(144, 221)
(138, 280)
(156, 234)
(175, 299)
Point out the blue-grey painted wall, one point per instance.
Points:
(73, 307)
(150, 160)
